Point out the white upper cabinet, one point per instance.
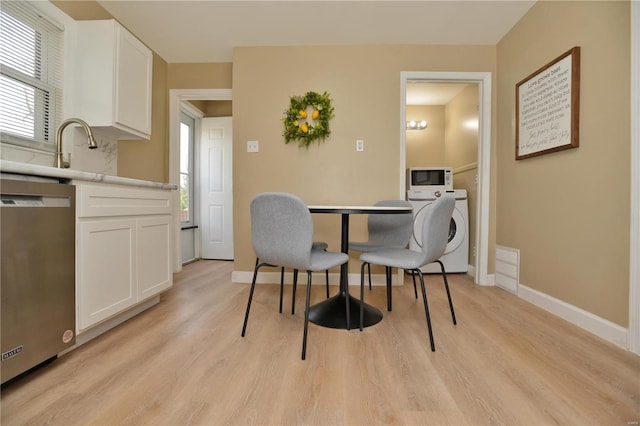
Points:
(111, 87)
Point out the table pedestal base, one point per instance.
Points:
(332, 313)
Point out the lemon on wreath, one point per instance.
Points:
(302, 114)
(315, 114)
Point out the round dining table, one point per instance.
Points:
(343, 310)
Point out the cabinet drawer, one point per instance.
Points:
(98, 200)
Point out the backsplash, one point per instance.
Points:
(103, 160)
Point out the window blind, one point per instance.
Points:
(31, 67)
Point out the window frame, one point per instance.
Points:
(190, 120)
(45, 124)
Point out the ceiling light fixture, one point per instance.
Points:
(416, 125)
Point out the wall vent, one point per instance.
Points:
(507, 268)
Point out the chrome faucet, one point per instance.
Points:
(59, 161)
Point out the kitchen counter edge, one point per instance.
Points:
(36, 170)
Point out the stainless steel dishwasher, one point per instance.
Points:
(37, 219)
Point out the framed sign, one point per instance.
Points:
(548, 107)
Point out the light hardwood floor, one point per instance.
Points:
(184, 362)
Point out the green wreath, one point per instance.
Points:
(307, 118)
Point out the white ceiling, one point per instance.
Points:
(207, 31)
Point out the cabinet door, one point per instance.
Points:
(154, 256)
(106, 269)
(133, 83)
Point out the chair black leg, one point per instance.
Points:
(326, 276)
(415, 289)
(306, 317)
(281, 286)
(426, 309)
(362, 294)
(293, 295)
(369, 268)
(253, 286)
(446, 286)
(388, 273)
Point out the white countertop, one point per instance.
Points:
(35, 170)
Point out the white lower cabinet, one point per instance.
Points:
(106, 269)
(123, 249)
(154, 256)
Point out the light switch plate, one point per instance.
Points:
(253, 146)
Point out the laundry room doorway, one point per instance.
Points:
(473, 173)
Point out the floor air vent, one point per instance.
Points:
(507, 268)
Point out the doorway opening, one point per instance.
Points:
(176, 99)
(481, 213)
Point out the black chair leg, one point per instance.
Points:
(426, 309)
(415, 289)
(362, 294)
(293, 295)
(369, 268)
(388, 273)
(326, 276)
(446, 286)
(306, 317)
(253, 286)
(281, 286)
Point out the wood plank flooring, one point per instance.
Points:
(183, 362)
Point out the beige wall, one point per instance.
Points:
(364, 83)
(213, 108)
(461, 148)
(461, 152)
(149, 160)
(426, 148)
(200, 76)
(568, 212)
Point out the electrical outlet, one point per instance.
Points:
(253, 146)
(359, 145)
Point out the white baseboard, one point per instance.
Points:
(601, 327)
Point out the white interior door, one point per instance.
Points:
(216, 188)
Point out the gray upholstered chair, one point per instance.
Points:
(435, 234)
(281, 233)
(386, 230)
(316, 245)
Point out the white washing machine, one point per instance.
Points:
(456, 255)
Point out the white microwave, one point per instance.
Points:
(422, 178)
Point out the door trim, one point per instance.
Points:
(176, 96)
(483, 79)
(634, 261)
